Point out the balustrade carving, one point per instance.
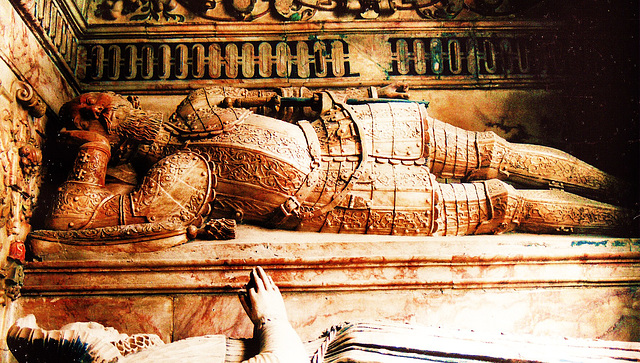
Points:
(452, 59)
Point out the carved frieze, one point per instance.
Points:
(159, 45)
(22, 124)
(412, 41)
(303, 10)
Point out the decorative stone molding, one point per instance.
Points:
(347, 56)
(22, 120)
(305, 10)
(274, 43)
(342, 263)
(56, 27)
(27, 97)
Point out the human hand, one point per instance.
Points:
(261, 299)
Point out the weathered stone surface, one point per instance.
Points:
(128, 314)
(512, 283)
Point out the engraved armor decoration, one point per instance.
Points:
(372, 168)
(357, 168)
(176, 190)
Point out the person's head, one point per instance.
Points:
(112, 116)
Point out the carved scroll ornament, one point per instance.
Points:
(27, 97)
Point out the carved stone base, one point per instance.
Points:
(132, 238)
(579, 286)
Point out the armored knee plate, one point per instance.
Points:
(177, 189)
(478, 208)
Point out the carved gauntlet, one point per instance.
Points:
(84, 191)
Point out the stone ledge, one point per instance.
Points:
(335, 262)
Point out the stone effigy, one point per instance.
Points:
(360, 166)
(275, 341)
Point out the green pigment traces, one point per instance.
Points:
(589, 243)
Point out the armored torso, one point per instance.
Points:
(357, 169)
(373, 176)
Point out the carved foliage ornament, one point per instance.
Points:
(303, 10)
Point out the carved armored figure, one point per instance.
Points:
(358, 167)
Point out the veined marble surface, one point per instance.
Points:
(26, 56)
(319, 261)
(579, 286)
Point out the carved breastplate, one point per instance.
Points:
(260, 164)
(358, 169)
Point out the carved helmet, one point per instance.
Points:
(199, 115)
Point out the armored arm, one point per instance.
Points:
(84, 190)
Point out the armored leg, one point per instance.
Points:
(552, 211)
(466, 155)
(493, 206)
(477, 208)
